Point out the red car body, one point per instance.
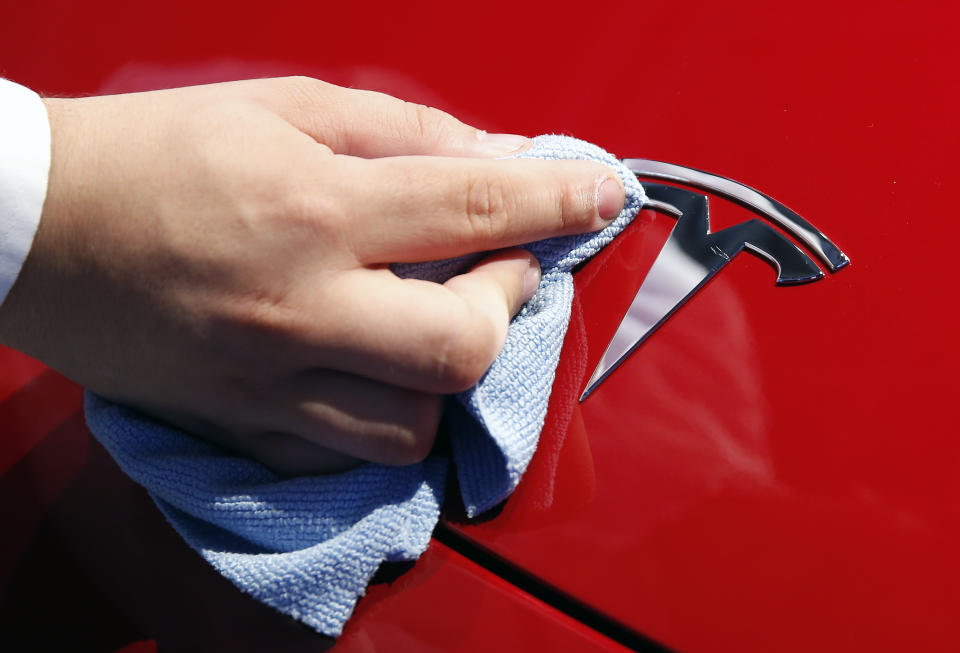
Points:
(775, 469)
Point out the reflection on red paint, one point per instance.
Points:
(803, 497)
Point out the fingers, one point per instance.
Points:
(496, 289)
(330, 419)
(284, 453)
(430, 337)
(291, 455)
(355, 416)
(369, 124)
(428, 208)
(323, 421)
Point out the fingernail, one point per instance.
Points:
(502, 144)
(610, 198)
(531, 280)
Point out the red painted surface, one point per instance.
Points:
(83, 542)
(18, 370)
(776, 469)
(447, 603)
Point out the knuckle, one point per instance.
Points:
(574, 207)
(301, 81)
(414, 439)
(464, 353)
(319, 216)
(263, 319)
(410, 452)
(303, 85)
(485, 208)
(425, 122)
(415, 447)
(308, 98)
(293, 213)
(299, 88)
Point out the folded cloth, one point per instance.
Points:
(307, 546)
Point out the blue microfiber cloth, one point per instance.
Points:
(308, 546)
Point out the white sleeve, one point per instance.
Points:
(24, 167)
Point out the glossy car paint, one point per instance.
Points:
(776, 468)
(85, 548)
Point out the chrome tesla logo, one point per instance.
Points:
(692, 254)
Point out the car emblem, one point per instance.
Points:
(692, 254)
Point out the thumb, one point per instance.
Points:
(371, 125)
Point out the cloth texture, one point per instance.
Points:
(308, 546)
(24, 169)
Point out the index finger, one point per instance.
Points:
(410, 209)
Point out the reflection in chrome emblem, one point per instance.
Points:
(692, 255)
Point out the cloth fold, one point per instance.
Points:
(308, 546)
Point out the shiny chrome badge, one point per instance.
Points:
(692, 254)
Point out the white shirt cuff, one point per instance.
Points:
(24, 168)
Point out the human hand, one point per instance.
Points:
(217, 256)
